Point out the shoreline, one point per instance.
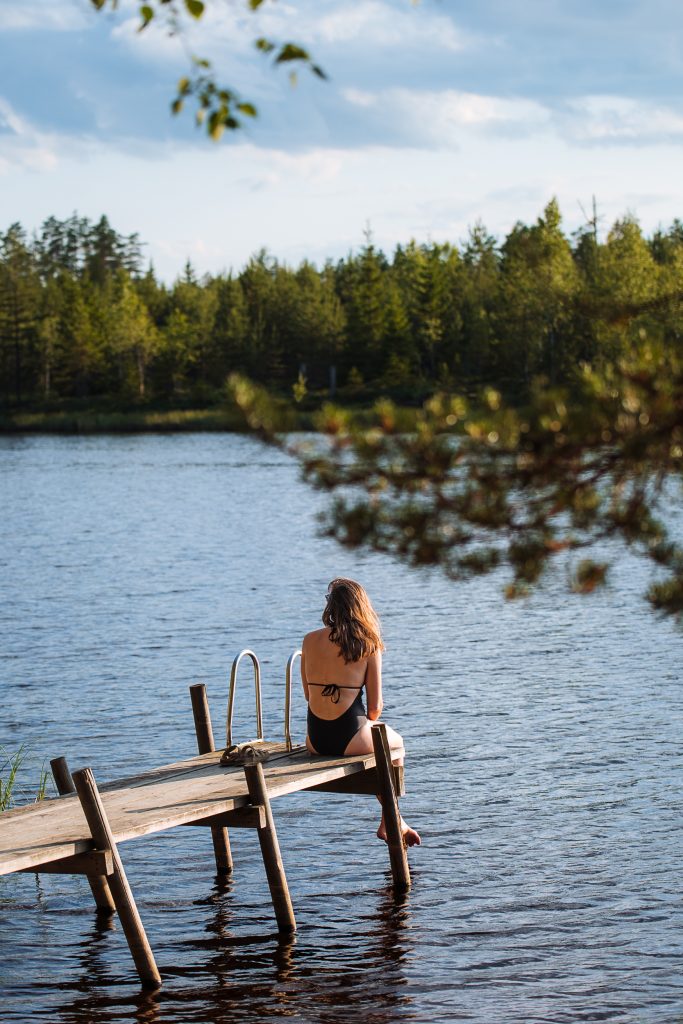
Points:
(93, 421)
(213, 418)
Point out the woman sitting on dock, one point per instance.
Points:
(336, 663)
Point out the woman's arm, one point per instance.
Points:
(304, 678)
(373, 686)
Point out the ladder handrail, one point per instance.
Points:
(288, 696)
(231, 695)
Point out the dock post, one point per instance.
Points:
(98, 883)
(392, 817)
(270, 850)
(205, 744)
(100, 829)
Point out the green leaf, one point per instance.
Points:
(317, 70)
(264, 45)
(195, 8)
(183, 86)
(248, 109)
(146, 13)
(255, 4)
(291, 52)
(215, 125)
(177, 106)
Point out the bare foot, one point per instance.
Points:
(410, 836)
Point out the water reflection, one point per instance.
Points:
(227, 975)
(544, 744)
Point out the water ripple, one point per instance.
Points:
(544, 761)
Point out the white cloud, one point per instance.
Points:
(439, 119)
(447, 118)
(153, 44)
(594, 120)
(42, 15)
(24, 146)
(229, 30)
(317, 166)
(223, 29)
(381, 25)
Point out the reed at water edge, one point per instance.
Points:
(10, 765)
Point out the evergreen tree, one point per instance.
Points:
(539, 283)
(19, 301)
(480, 284)
(134, 338)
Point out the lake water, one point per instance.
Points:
(544, 760)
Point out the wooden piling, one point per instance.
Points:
(124, 902)
(205, 744)
(392, 818)
(99, 886)
(270, 850)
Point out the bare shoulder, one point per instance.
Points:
(315, 636)
(374, 661)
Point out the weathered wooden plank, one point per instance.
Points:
(104, 901)
(94, 863)
(361, 783)
(270, 849)
(241, 817)
(400, 869)
(154, 801)
(204, 733)
(126, 908)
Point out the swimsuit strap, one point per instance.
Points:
(332, 690)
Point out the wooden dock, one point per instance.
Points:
(80, 831)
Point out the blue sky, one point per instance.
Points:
(436, 115)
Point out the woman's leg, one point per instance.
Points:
(362, 744)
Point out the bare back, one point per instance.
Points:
(322, 663)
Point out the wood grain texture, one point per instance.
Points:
(398, 857)
(204, 732)
(100, 829)
(171, 795)
(104, 901)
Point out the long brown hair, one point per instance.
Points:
(352, 620)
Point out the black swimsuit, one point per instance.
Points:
(332, 736)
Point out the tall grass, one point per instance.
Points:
(10, 765)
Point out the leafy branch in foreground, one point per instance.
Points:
(473, 490)
(218, 107)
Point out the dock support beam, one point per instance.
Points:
(270, 850)
(98, 883)
(205, 744)
(392, 817)
(103, 836)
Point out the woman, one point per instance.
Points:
(336, 663)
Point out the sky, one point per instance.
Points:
(435, 115)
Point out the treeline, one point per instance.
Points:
(81, 318)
